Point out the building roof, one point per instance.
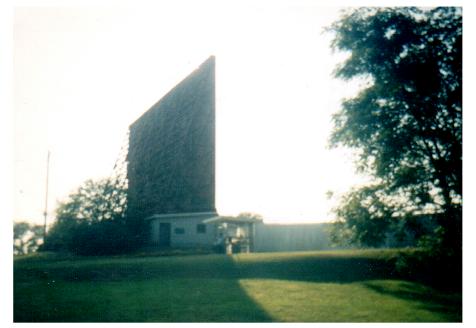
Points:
(231, 219)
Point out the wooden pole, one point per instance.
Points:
(45, 213)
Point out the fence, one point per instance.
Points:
(291, 237)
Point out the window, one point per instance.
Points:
(201, 228)
(179, 231)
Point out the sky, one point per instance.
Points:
(82, 75)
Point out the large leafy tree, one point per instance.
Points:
(92, 220)
(94, 201)
(406, 122)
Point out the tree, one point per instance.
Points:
(94, 201)
(406, 123)
(92, 220)
(26, 237)
(250, 215)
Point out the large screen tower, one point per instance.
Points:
(171, 159)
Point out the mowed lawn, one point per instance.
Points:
(327, 286)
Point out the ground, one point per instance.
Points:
(332, 286)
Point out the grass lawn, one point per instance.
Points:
(332, 286)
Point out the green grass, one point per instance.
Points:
(333, 286)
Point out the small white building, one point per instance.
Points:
(207, 230)
(182, 230)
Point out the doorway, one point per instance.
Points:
(164, 234)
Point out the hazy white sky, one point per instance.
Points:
(83, 74)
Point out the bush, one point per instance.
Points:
(102, 238)
(85, 238)
(435, 268)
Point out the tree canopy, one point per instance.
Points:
(27, 237)
(92, 220)
(406, 123)
(94, 201)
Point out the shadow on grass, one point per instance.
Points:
(448, 304)
(187, 289)
(333, 270)
(142, 291)
(343, 270)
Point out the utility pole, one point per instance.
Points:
(45, 213)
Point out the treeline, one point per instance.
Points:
(92, 221)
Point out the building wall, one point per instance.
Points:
(171, 158)
(189, 238)
(291, 237)
(267, 237)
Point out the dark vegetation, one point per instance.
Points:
(406, 128)
(92, 221)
